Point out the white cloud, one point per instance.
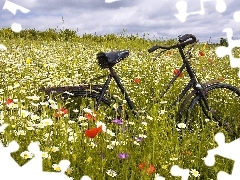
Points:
(137, 16)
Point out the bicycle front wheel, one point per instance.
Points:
(223, 103)
(82, 103)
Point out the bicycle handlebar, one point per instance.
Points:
(183, 42)
(186, 37)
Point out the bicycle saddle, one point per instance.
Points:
(109, 59)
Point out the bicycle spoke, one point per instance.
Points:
(224, 104)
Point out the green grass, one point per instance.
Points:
(29, 65)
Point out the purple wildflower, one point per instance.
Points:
(102, 156)
(123, 155)
(124, 129)
(117, 121)
(139, 139)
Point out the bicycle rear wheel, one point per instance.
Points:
(224, 108)
(82, 102)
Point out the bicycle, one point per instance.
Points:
(202, 94)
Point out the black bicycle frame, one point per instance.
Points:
(114, 75)
(193, 83)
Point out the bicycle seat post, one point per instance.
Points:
(120, 86)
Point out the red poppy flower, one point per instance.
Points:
(93, 132)
(222, 78)
(137, 80)
(176, 71)
(150, 169)
(90, 116)
(187, 153)
(140, 166)
(210, 60)
(201, 53)
(9, 101)
(61, 112)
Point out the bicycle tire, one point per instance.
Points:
(80, 98)
(224, 104)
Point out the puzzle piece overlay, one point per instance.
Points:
(236, 16)
(222, 51)
(12, 7)
(182, 8)
(220, 7)
(31, 169)
(177, 171)
(10, 169)
(111, 1)
(229, 151)
(34, 167)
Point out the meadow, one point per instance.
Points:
(146, 146)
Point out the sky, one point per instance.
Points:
(154, 18)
